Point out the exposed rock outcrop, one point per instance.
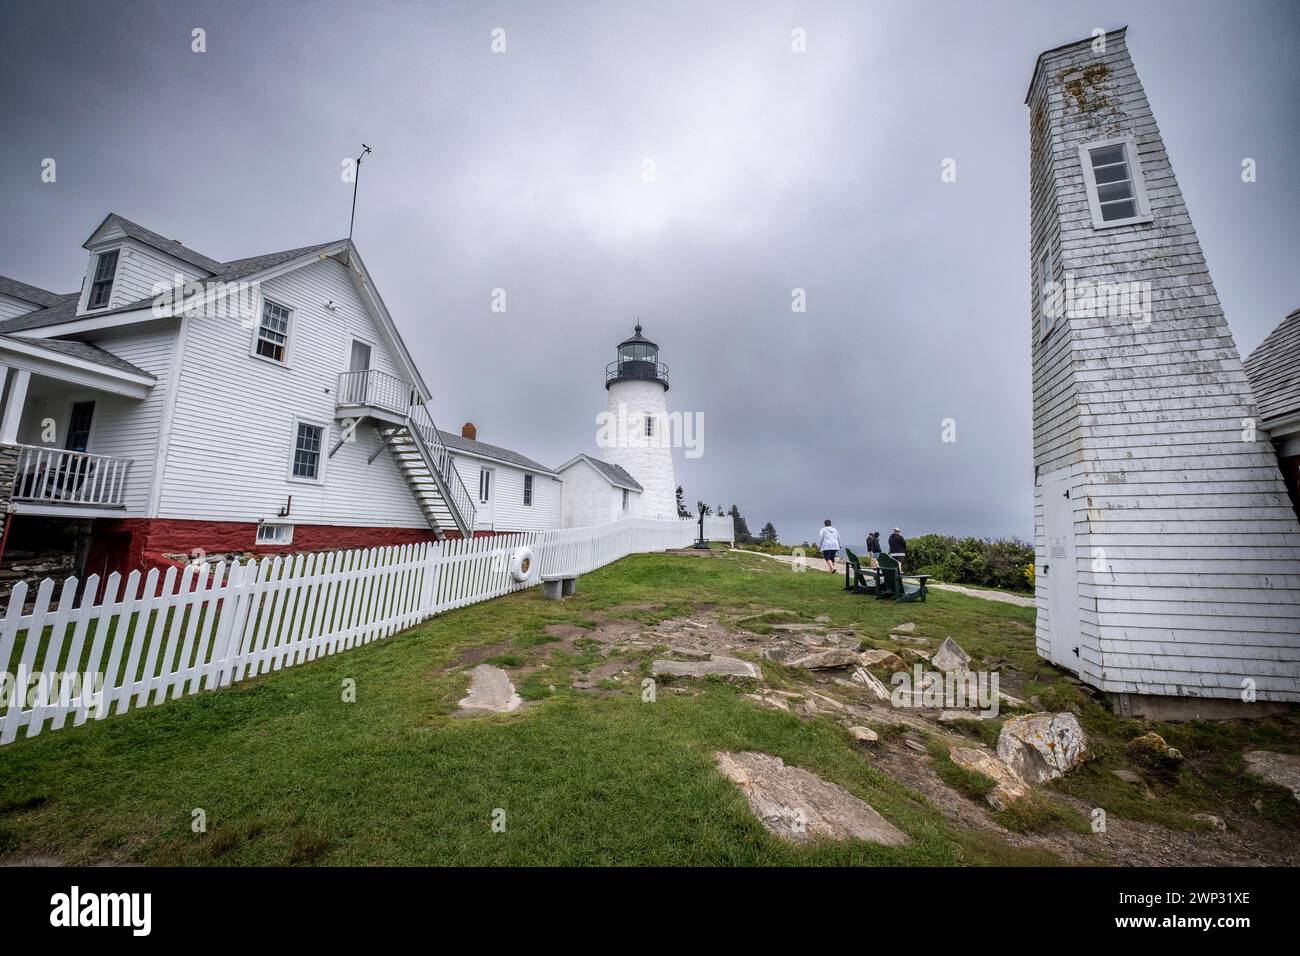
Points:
(1042, 747)
(800, 806)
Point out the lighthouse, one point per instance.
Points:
(639, 440)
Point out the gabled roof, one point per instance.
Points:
(614, 474)
(65, 310)
(482, 449)
(28, 293)
(243, 268)
(1274, 371)
(171, 247)
(229, 272)
(81, 350)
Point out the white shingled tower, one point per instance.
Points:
(637, 383)
(1168, 555)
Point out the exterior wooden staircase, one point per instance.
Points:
(394, 408)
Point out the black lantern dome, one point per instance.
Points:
(638, 359)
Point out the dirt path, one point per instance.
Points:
(818, 564)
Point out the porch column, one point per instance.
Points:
(13, 413)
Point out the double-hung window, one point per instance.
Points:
(101, 286)
(1113, 177)
(273, 332)
(1046, 307)
(528, 491)
(308, 440)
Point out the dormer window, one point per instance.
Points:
(101, 287)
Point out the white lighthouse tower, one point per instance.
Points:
(637, 383)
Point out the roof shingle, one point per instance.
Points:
(1274, 371)
(172, 247)
(63, 308)
(615, 474)
(28, 293)
(459, 442)
(81, 350)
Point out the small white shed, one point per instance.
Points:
(595, 492)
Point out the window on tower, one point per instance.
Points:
(1046, 308)
(649, 426)
(1112, 175)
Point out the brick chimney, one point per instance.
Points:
(469, 431)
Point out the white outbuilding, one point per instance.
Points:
(595, 492)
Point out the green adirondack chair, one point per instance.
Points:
(901, 589)
(856, 578)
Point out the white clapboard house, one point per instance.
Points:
(1168, 553)
(268, 406)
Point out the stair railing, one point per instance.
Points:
(458, 497)
(390, 393)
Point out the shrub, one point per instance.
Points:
(998, 563)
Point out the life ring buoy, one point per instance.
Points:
(521, 564)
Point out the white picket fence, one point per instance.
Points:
(210, 626)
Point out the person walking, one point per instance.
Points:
(873, 548)
(897, 547)
(828, 543)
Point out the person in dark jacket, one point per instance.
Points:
(873, 548)
(897, 547)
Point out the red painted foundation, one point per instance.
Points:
(138, 544)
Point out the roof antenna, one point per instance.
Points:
(355, 181)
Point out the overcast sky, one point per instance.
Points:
(774, 170)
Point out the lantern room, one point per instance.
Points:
(638, 360)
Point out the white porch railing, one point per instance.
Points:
(208, 626)
(52, 475)
(377, 389)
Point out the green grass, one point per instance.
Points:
(286, 772)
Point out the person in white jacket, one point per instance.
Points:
(828, 543)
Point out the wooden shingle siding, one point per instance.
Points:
(1189, 524)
